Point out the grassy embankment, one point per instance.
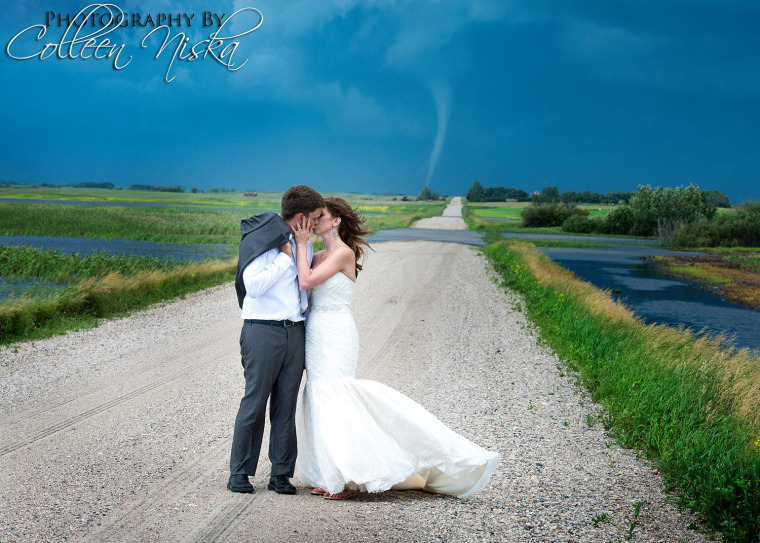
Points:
(100, 286)
(690, 405)
(103, 286)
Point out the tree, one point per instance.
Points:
(549, 195)
(619, 220)
(427, 194)
(717, 198)
(570, 197)
(475, 194)
(660, 211)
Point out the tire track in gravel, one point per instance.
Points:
(139, 370)
(130, 521)
(62, 425)
(213, 526)
(224, 521)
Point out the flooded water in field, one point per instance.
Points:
(570, 237)
(13, 287)
(195, 252)
(656, 297)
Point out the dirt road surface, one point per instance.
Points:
(450, 219)
(122, 432)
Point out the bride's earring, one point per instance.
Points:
(335, 232)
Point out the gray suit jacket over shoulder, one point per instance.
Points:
(261, 233)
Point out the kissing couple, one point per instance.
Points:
(354, 434)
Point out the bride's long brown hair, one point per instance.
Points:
(352, 227)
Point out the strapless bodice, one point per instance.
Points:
(335, 294)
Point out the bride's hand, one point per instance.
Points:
(303, 231)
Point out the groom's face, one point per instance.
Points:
(314, 216)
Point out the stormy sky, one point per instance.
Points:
(390, 95)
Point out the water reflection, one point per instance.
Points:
(658, 298)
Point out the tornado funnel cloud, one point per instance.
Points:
(442, 101)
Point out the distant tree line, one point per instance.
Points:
(479, 193)
(552, 195)
(157, 188)
(548, 195)
(94, 186)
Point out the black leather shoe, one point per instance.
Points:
(239, 483)
(281, 484)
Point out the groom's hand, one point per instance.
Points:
(285, 248)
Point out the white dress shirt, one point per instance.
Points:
(271, 284)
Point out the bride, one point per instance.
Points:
(356, 434)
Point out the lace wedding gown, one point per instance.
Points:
(360, 434)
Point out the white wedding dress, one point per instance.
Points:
(360, 434)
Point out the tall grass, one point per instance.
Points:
(64, 268)
(690, 404)
(747, 262)
(113, 294)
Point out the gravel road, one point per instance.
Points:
(122, 432)
(450, 219)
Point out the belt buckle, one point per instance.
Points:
(288, 323)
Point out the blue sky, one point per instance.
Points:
(380, 95)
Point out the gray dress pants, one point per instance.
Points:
(273, 364)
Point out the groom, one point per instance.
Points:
(272, 339)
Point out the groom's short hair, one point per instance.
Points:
(300, 199)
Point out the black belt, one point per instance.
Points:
(284, 324)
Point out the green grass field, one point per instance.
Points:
(211, 218)
(511, 210)
(232, 200)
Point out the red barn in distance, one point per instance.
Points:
(251, 194)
